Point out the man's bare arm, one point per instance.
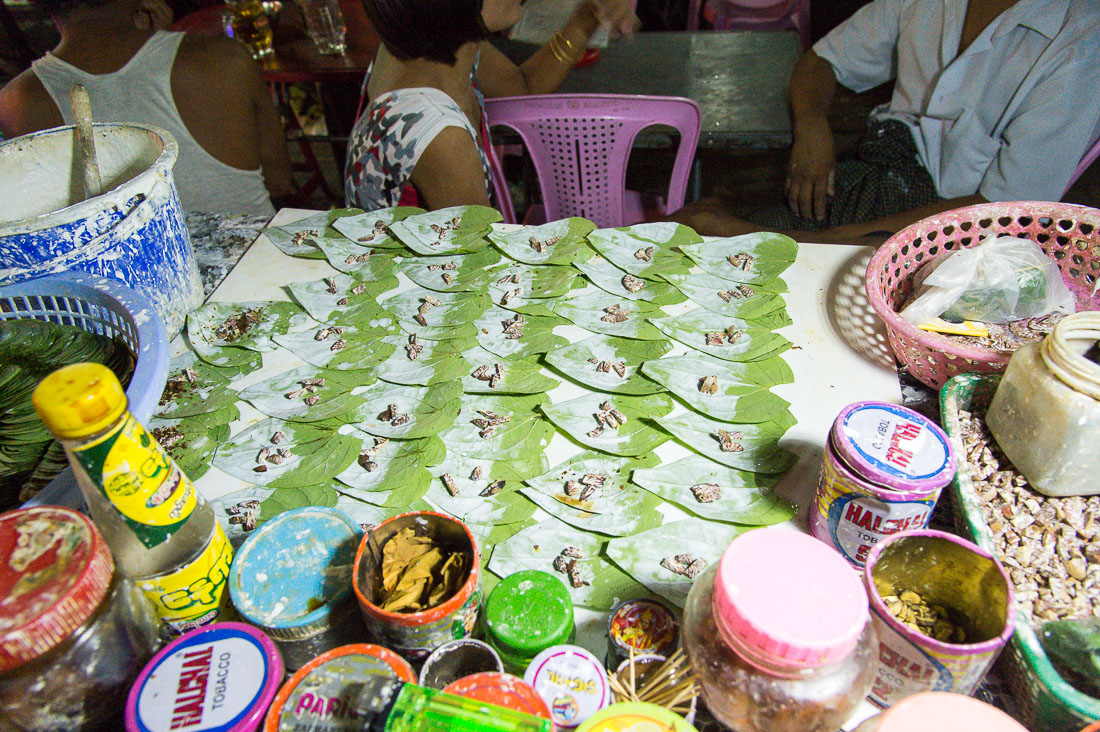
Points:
(26, 107)
(813, 154)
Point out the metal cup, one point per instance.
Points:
(458, 659)
(956, 575)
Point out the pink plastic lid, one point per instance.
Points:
(945, 712)
(785, 598)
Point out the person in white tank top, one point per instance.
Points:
(207, 92)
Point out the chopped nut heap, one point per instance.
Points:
(443, 231)
(606, 367)
(413, 348)
(365, 455)
(742, 261)
(324, 333)
(302, 236)
(1050, 546)
(709, 384)
(706, 492)
(646, 254)
(449, 484)
(394, 417)
(379, 230)
(566, 563)
(513, 327)
(429, 302)
(685, 565)
(733, 334)
(510, 279)
(507, 296)
(542, 246)
(277, 456)
(632, 283)
(609, 417)
(730, 441)
(615, 314)
(488, 422)
(492, 489)
(237, 325)
(358, 258)
(244, 514)
(584, 488)
(493, 376)
(736, 293)
(167, 437)
(932, 620)
(308, 389)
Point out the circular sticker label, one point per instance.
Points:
(323, 700)
(571, 682)
(209, 685)
(895, 442)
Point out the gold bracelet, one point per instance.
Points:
(562, 48)
(569, 47)
(558, 53)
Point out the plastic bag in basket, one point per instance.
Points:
(1001, 280)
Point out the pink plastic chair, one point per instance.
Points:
(753, 15)
(580, 144)
(1089, 158)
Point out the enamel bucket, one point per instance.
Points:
(133, 232)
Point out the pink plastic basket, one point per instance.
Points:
(1069, 234)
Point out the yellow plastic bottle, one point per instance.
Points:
(162, 533)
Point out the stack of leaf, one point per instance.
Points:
(29, 350)
(435, 395)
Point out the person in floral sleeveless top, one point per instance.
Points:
(421, 137)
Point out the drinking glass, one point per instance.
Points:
(325, 25)
(247, 22)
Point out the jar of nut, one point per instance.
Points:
(777, 635)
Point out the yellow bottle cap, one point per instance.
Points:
(79, 400)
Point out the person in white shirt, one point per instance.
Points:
(993, 100)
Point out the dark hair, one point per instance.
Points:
(61, 8)
(432, 29)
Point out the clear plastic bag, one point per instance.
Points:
(999, 281)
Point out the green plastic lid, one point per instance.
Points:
(528, 612)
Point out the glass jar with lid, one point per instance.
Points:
(1045, 415)
(74, 632)
(778, 635)
(943, 712)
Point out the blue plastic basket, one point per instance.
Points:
(106, 307)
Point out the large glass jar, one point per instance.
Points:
(1046, 412)
(777, 635)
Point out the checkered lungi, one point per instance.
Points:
(886, 177)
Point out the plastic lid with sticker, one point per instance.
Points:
(503, 690)
(893, 446)
(318, 695)
(218, 678)
(571, 681)
(635, 716)
(646, 626)
(526, 613)
(56, 570)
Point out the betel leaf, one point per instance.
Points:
(757, 257)
(228, 359)
(288, 498)
(578, 419)
(368, 515)
(735, 300)
(517, 375)
(194, 387)
(353, 348)
(742, 389)
(759, 453)
(458, 272)
(371, 229)
(500, 504)
(568, 233)
(303, 454)
(522, 437)
(242, 324)
(724, 493)
(385, 465)
(340, 297)
(443, 321)
(751, 341)
(533, 282)
(610, 278)
(191, 441)
(285, 395)
(535, 333)
(599, 583)
(454, 230)
(641, 555)
(586, 361)
(369, 265)
(430, 409)
(628, 247)
(590, 481)
(421, 362)
(299, 239)
(634, 510)
(602, 312)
